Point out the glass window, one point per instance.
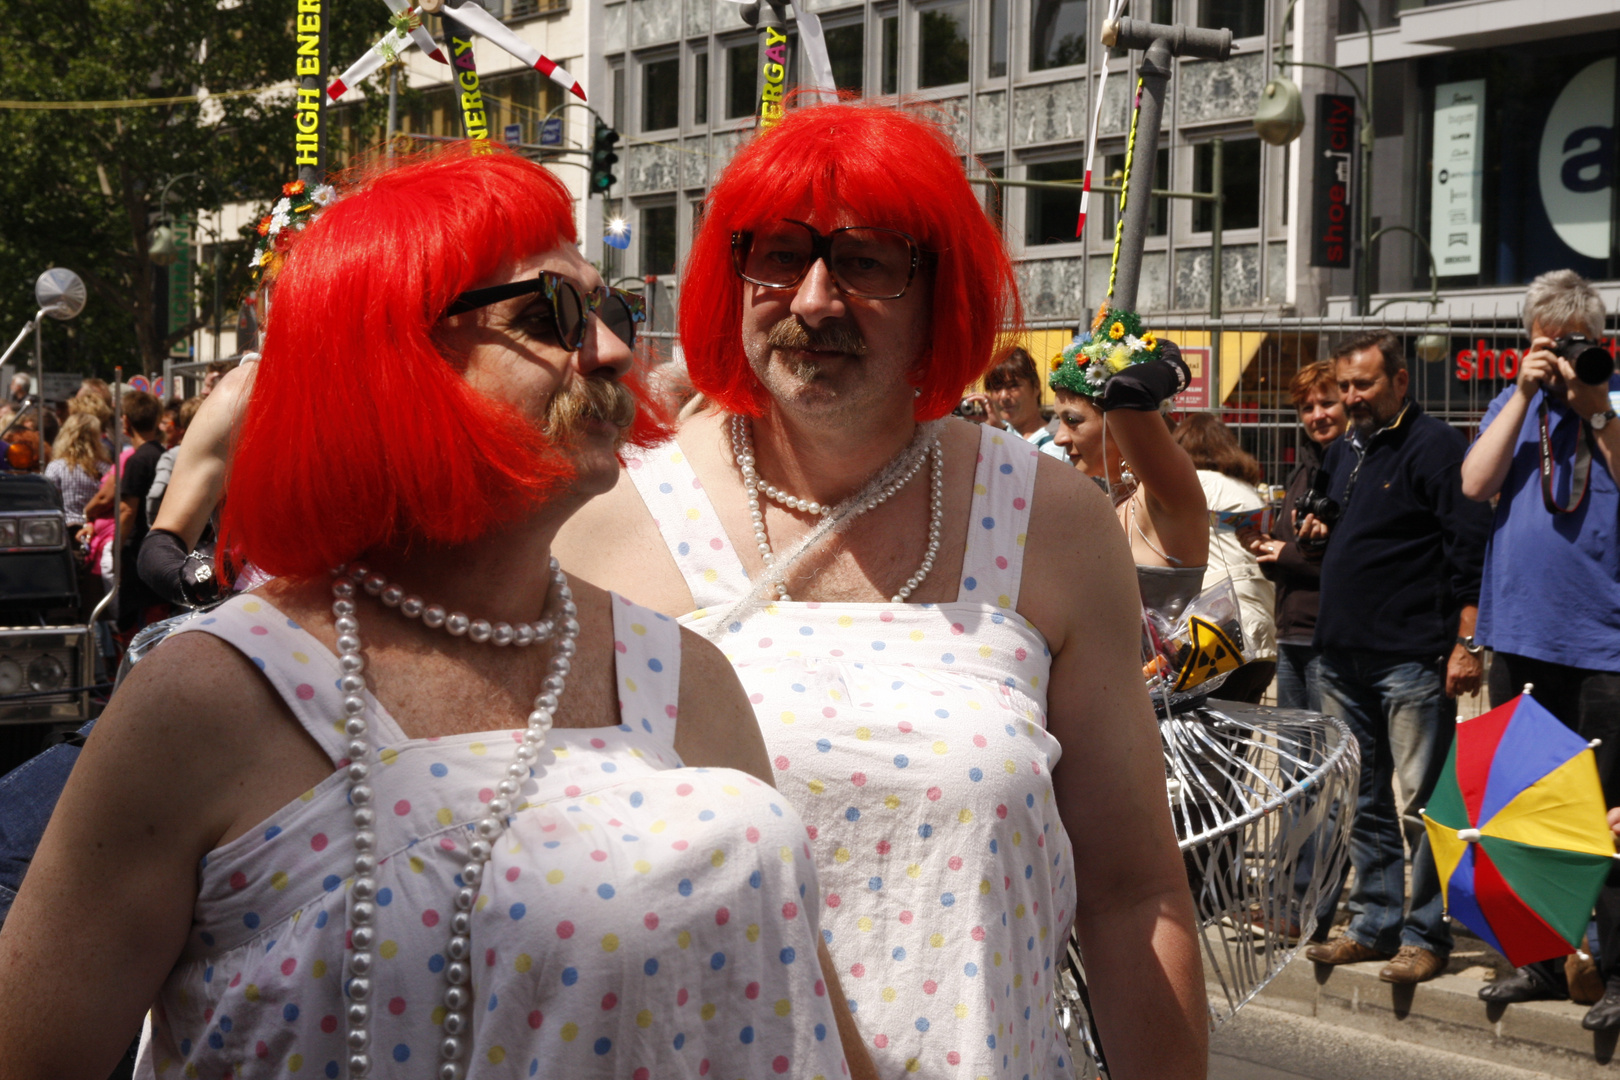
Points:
(996, 39)
(1050, 216)
(742, 62)
(891, 54)
(661, 94)
(1113, 174)
(846, 48)
(1245, 18)
(942, 42)
(1057, 33)
(1241, 168)
(658, 240)
(700, 88)
(618, 97)
(1164, 12)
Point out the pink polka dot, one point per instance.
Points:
(535, 1018)
(512, 873)
(396, 1006)
(764, 642)
(756, 698)
(811, 831)
(1020, 653)
(446, 844)
(261, 631)
(717, 543)
(751, 991)
(703, 1067)
(318, 841)
(305, 691)
(1019, 503)
(858, 779)
(833, 900)
(609, 1000)
(752, 834)
(430, 917)
(1001, 810)
(978, 740)
(780, 1064)
(681, 996)
(1001, 562)
(722, 916)
(289, 965)
(619, 646)
(790, 910)
(680, 845)
(634, 463)
(572, 791)
(599, 856)
(565, 929)
(906, 917)
(402, 807)
(781, 763)
(670, 711)
(821, 988)
(683, 789)
(328, 1023)
(263, 1049)
(642, 1073)
(880, 1041)
(650, 920)
(882, 847)
(598, 744)
(957, 628)
(953, 1058)
(930, 986)
(858, 970)
(829, 711)
(489, 957)
(886, 616)
(239, 880)
(933, 794)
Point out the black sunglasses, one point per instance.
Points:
(619, 311)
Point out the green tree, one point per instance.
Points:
(81, 187)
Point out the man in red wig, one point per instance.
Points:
(937, 627)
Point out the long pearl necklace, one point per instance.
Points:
(742, 449)
(454, 623)
(362, 907)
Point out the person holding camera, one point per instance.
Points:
(1550, 603)
(1400, 578)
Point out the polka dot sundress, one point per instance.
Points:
(638, 919)
(912, 738)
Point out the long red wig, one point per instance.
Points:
(360, 430)
(857, 164)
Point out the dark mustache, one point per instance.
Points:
(835, 337)
(583, 399)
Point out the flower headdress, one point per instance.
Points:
(1116, 341)
(298, 204)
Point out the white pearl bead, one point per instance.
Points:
(450, 1070)
(343, 590)
(479, 849)
(359, 989)
(365, 888)
(354, 705)
(454, 1023)
(455, 974)
(456, 998)
(471, 873)
(361, 795)
(359, 1064)
(362, 937)
(374, 583)
(362, 913)
(464, 899)
(502, 634)
(456, 624)
(340, 608)
(365, 840)
(358, 1013)
(360, 963)
(392, 595)
(358, 749)
(522, 635)
(348, 643)
(450, 1047)
(433, 616)
(411, 607)
(346, 624)
(358, 771)
(478, 631)
(351, 684)
(458, 948)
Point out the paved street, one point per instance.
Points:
(1268, 1044)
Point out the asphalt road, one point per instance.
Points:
(1268, 1044)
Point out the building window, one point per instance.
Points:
(996, 39)
(618, 96)
(1114, 176)
(1050, 216)
(1057, 33)
(1164, 12)
(1240, 166)
(942, 45)
(1245, 18)
(742, 63)
(658, 240)
(700, 88)
(846, 48)
(661, 94)
(891, 54)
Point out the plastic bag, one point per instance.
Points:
(1190, 655)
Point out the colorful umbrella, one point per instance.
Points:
(1518, 828)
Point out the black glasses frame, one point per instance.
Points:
(742, 242)
(552, 286)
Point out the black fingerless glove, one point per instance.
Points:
(171, 572)
(1143, 386)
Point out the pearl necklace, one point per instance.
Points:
(362, 907)
(742, 450)
(454, 623)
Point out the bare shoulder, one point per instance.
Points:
(614, 542)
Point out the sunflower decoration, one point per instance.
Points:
(297, 205)
(1116, 340)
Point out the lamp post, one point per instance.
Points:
(1279, 121)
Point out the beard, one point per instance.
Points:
(832, 337)
(586, 398)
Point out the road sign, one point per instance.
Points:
(60, 386)
(551, 132)
(514, 133)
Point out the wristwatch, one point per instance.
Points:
(1601, 419)
(1467, 642)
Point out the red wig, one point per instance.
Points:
(856, 164)
(360, 430)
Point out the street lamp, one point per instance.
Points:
(1280, 118)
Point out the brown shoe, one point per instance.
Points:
(1343, 950)
(1413, 964)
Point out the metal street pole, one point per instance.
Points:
(393, 107)
(1217, 153)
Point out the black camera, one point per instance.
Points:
(969, 408)
(1317, 501)
(1592, 362)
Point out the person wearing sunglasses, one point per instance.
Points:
(937, 625)
(425, 804)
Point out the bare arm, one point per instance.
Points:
(101, 503)
(1134, 916)
(199, 470)
(1175, 498)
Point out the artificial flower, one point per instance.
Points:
(1149, 342)
(1119, 359)
(1117, 331)
(295, 187)
(264, 225)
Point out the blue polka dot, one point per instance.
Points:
(821, 1032)
(402, 1052)
(680, 1040)
(824, 745)
(645, 726)
(874, 883)
(605, 891)
(706, 815)
(1029, 800)
(603, 1045)
(787, 955)
(251, 920)
(272, 832)
(990, 1042)
(208, 973)
(332, 881)
(225, 1024)
(608, 766)
(1029, 872)
(901, 761)
(683, 548)
(636, 798)
(975, 774)
(717, 961)
(436, 963)
(185, 1044)
(925, 831)
(735, 627)
(942, 714)
(922, 1023)
(877, 646)
(517, 911)
(289, 1012)
(534, 1066)
(570, 976)
(332, 1070)
(852, 814)
(798, 688)
(216, 1040)
(685, 887)
(949, 658)
(259, 663)
(656, 664)
(1006, 469)
(665, 488)
(756, 879)
(970, 969)
(650, 967)
(993, 846)
(747, 1034)
(970, 584)
(777, 810)
(439, 768)
(898, 953)
(385, 897)
(208, 939)
(988, 522)
(947, 899)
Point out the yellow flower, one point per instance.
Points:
(1148, 340)
(1119, 359)
(1117, 331)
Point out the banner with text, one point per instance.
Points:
(1331, 222)
(1454, 194)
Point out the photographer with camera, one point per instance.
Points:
(1400, 580)
(1550, 602)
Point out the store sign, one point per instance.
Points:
(1457, 178)
(1483, 362)
(1335, 147)
(1196, 395)
(1577, 160)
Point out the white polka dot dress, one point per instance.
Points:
(638, 919)
(912, 738)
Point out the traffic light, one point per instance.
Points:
(603, 157)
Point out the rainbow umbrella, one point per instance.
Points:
(1518, 828)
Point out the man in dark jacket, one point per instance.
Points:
(1400, 589)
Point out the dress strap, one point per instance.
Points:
(1003, 489)
(647, 661)
(689, 524)
(300, 669)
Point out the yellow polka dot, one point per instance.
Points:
(437, 1015)
(888, 993)
(914, 871)
(783, 1007)
(675, 456)
(864, 924)
(318, 969)
(980, 489)
(191, 1071)
(1034, 680)
(278, 880)
(771, 609)
(845, 620)
(658, 826)
(251, 992)
(1018, 912)
(416, 865)
(835, 695)
(554, 877)
(642, 866)
(444, 815)
(1021, 538)
(984, 887)
(644, 1018)
(753, 933)
(569, 1032)
(913, 1065)
(478, 748)
(630, 684)
(841, 855)
(731, 789)
(785, 853)
(916, 635)
(985, 651)
(863, 733)
(1018, 980)
(937, 940)
(892, 802)
(964, 816)
(717, 859)
(306, 796)
(1018, 837)
(996, 959)
(637, 628)
(940, 747)
(691, 513)
(787, 717)
(295, 1062)
(483, 902)
(816, 787)
(1043, 933)
(252, 607)
(388, 949)
(523, 962)
(707, 1012)
(974, 705)
(302, 658)
(1004, 600)
(684, 939)
(610, 942)
(998, 440)
(961, 1011)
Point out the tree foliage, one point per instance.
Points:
(81, 188)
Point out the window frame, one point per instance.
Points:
(1021, 41)
(642, 207)
(643, 62)
(916, 13)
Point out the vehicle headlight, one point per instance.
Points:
(46, 673)
(40, 532)
(11, 675)
(8, 533)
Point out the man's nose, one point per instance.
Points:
(817, 298)
(603, 349)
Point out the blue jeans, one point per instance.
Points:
(1299, 674)
(28, 794)
(1399, 713)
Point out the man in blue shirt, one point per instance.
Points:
(1400, 580)
(1550, 604)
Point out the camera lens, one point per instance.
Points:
(1593, 364)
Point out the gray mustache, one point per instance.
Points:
(837, 337)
